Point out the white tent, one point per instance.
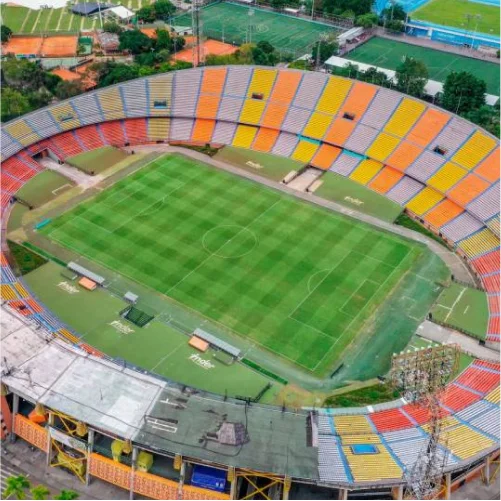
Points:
(120, 12)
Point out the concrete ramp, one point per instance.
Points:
(305, 179)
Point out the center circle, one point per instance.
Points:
(229, 241)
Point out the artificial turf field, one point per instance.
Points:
(463, 308)
(229, 22)
(293, 278)
(454, 13)
(389, 54)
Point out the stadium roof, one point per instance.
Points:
(89, 8)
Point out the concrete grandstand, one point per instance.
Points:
(442, 169)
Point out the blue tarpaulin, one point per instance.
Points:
(208, 478)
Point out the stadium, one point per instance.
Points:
(193, 306)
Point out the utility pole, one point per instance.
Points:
(197, 30)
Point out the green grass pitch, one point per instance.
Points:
(463, 308)
(98, 160)
(231, 21)
(454, 13)
(292, 277)
(389, 54)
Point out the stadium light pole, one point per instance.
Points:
(312, 9)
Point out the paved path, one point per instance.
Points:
(453, 261)
(77, 176)
(440, 334)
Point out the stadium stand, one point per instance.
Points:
(433, 184)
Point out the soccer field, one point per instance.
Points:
(389, 54)
(455, 13)
(463, 308)
(291, 277)
(230, 22)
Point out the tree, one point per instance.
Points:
(120, 73)
(50, 81)
(146, 14)
(463, 92)
(68, 88)
(337, 7)
(372, 75)
(112, 27)
(394, 13)
(366, 20)
(278, 4)
(164, 41)
(22, 74)
(13, 103)
(40, 492)
(39, 98)
(67, 494)
(163, 9)
(327, 49)
(412, 76)
(6, 32)
(487, 117)
(397, 26)
(16, 485)
(134, 41)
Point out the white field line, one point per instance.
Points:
(353, 293)
(221, 247)
(361, 310)
(54, 192)
(454, 304)
(318, 285)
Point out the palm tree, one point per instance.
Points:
(16, 486)
(67, 494)
(40, 492)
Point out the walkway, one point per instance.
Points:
(468, 345)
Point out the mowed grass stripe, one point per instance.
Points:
(288, 275)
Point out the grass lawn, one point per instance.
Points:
(44, 187)
(95, 315)
(407, 222)
(263, 164)
(96, 161)
(16, 217)
(25, 259)
(229, 22)
(344, 191)
(454, 13)
(463, 308)
(364, 396)
(389, 54)
(296, 279)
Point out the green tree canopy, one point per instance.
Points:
(134, 41)
(6, 32)
(463, 92)
(112, 27)
(327, 49)
(68, 88)
(22, 74)
(367, 20)
(394, 13)
(412, 76)
(358, 7)
(13, 103)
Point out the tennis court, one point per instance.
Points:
(210, 47)
(53, 46)
(463, 308)
(229, 23)
(389, 54)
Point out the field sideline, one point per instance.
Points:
(289, 276)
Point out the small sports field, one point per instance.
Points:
(286, 275)
(229, 22)
(463, 308)
(389, 54)
(454, 13)
(96, 161)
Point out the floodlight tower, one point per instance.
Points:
(250, 24)
(197, 30)
(422, 375)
